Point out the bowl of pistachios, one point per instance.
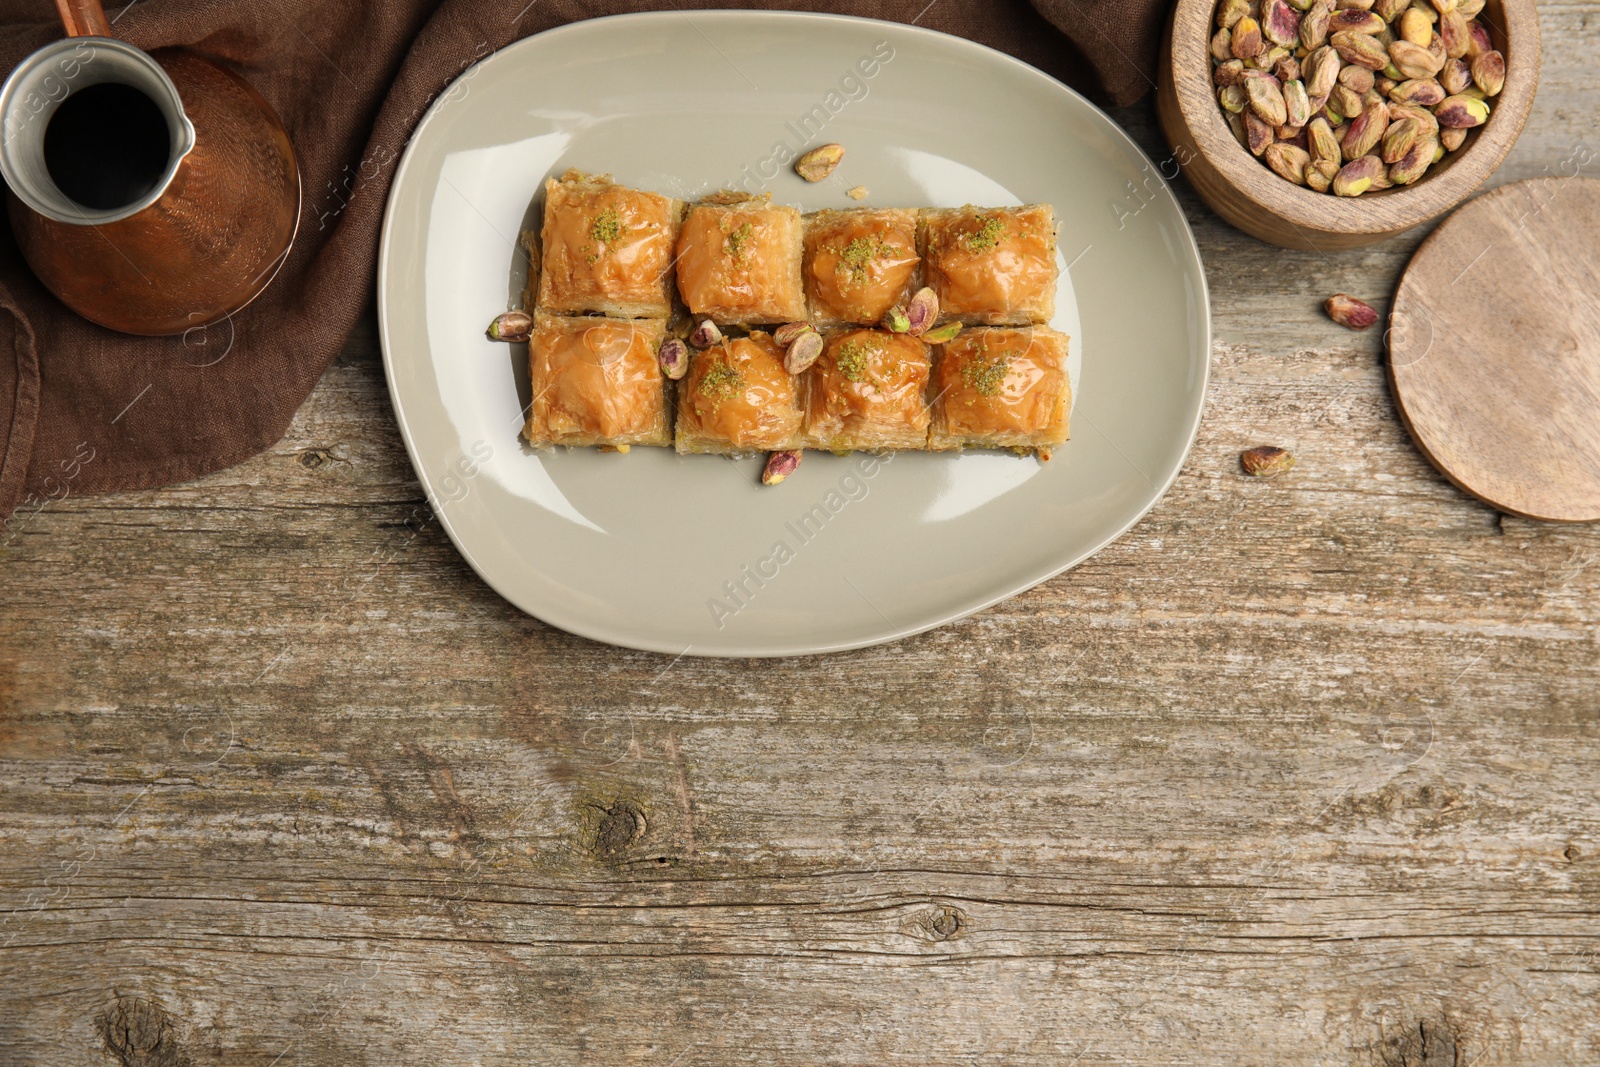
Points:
(1328, 124)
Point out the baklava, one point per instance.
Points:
(739, 262)
(859, 264)
(737, 398)
(595, 381)
(1001, 387)
(868, 391)
(606, 249)
(991, 266)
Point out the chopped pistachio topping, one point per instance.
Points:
(856, 257)
(607, 226)
(737, 240)
(986, 236)
(853, 357)
(985, 374)
(720, 381)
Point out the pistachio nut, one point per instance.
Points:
(1416, 161)
(895, 320)
(1355, 177)
(1286, 69)
(818, 163)
(1230, 72)
(1360, 48)
(1383, 85)
(1349, 312)
(940, 335)
(1321, 71)
(1288, 162)
(1246, 38)
(1316, 180)
(1451, 138)
(1441, 6)
(1322, 142)
(780, 465)
(1389, 10)
(1423, 91)
(1416, 27)
(1358, 78)
(1414, 61)
(1314, 25)
(1399, 138)
(1455, 77)
(1365, 131)
(1421, 114)
(1453, 34)
(1480, 41)
(1280, 23)
(922, 311)
(1347, 101)
(1222, 45)
(785, 335)
(1257, 133)
(513, 326)
(802, 352)
(1462, 112)
(1265, 461)
(1296, 104)
(673, 356)
(1266, 99)
(1231, 11)
(1469, 8)
(1355, 20)
(705, 335)
(1489, 72)
(1236, 126)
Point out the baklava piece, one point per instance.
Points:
(737, 399)
(991, 266)
(607, 249)
(595, 381)
(859, 264)
(739, 262)
(868, 391)
(1002, 388)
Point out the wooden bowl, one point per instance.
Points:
(1241, 188)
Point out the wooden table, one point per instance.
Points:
(1299, 771)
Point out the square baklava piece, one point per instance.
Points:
(859, 264)
(868, 391)
(596, 381)
(991, 266)
(1001, 387)
(739, 262)
(737, 398)
(606, 248)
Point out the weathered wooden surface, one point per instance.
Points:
(1300, 771)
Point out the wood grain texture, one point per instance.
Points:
(1240, 189)
(1494, 349)
(1299, 771)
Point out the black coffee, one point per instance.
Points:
(106, 145)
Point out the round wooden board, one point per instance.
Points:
(1494, 348)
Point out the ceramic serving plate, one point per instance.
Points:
(691, 554)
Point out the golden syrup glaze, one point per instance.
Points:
(869, 389)
(859, 264)
(739, 262)
(605, 245)
(738, 392)
(995, 264)
(1004, 383)
(595, 378)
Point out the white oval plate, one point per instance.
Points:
(691, 554)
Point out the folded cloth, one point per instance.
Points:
(86, 410)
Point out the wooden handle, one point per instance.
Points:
(83, 18)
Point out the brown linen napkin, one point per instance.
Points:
(85, 410)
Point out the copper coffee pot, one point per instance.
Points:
(164, 199)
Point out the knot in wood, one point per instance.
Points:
(941, 922)
(617, 826)
(139, 1033)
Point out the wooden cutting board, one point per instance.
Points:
(1494, 348)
